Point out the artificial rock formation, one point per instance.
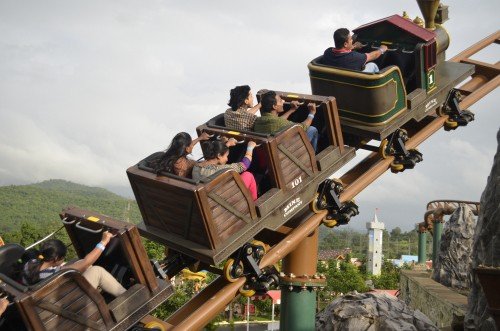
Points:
(486, 248)
(371, 312)
(454, 257)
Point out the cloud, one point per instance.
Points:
(89, 88)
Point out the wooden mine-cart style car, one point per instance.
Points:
(66, 300)
(414, 82)
(212, 219)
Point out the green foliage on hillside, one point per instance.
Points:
(39, 205)
(394, 243)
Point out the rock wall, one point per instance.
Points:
(371, 312)
(452, 267)
(486, 248)
(443, 306)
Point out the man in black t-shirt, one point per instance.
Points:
(344, 54)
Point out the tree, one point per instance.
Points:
(389, 277)
(345, 279)
(396, 232)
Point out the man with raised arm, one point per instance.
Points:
(271, 122)
(344, 54)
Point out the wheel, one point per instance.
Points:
(418, 155)
(264, 250)
(441, 111)
(232, 273)
(397, 167)
(330, 223)
(339, 185)
(383, 149)
(314, 204)
(403, 134)
(450, 124)
(154, 325)
(260, 243)
(195, 267)
(246, 292)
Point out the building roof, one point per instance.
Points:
(275, 295)
(333, 254)
(409, 258)
(389, 292)
(402, 24)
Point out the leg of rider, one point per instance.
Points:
(249, 181)
(312, 134)
(100, 277)
(371, 67)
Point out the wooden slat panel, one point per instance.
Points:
(294, 173)
(66, 295)
(299, 150)
(227, 185)
(222, 212)
(231, 225)
(86, 307)
(203, 221)
(89, 311)
(139, 260)
(226, 222)
(290, 170)
(231, 193)
(64, 287)
(83, 306)
(172, 215)
(230, 230)
(241, 206)
(175, 204)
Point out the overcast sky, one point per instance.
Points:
(88, 88)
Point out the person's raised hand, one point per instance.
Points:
(106, 237)
(294, 105)
(312, 108)
(251, 144)
(3, 305)
(204, 136)
(231, 142)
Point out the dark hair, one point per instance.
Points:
(238, 96)
(214, 148)
(340, 36)
(267, 101)
(50, 250)
(176, 150)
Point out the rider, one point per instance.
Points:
(344, 54)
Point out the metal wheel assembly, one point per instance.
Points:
(153, 325)
(232, 271)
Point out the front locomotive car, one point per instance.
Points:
(414, 82)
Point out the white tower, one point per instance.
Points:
(375, 231)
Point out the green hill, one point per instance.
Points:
(39, 204)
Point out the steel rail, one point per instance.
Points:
(440, 203)
(468, 52)
(215, 297)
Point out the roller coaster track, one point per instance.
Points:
(202, 308)
(453, 204)
(438, 208)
